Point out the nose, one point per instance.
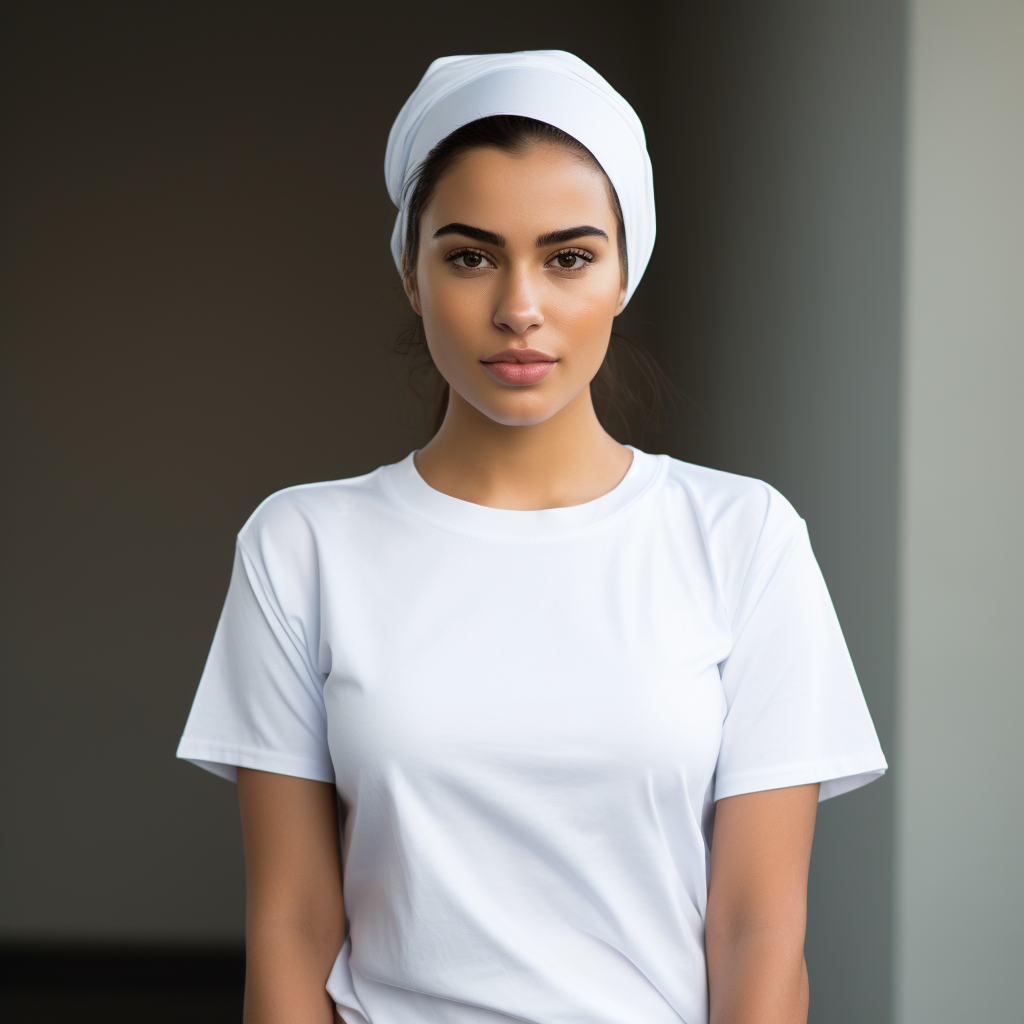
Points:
(518, 309)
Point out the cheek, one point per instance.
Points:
(583, 313)
(583, 317)
(457, 307)
(456, 323)
(455, 315)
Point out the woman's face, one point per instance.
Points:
(518, 279)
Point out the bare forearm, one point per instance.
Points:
(759, 977)
(286, 970)
(294, 906)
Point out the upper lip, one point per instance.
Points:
(520, 355)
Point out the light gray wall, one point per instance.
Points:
(960, 810)
(778, 266)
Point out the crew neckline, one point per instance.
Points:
(455, 515)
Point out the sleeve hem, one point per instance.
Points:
(836, 777)
(224, 760)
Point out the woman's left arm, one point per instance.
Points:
(757, 906)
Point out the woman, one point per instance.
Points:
(533, 668)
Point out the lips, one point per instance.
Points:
(519, 366)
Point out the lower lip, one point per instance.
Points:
(518, 373)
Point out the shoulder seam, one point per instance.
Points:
(765, 562)
(281, 620)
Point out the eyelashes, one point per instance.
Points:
(574, 254)
(469, 254)
(474, 259)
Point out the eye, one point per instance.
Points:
(468, 259)
(571, 259)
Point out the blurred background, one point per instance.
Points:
(199, 307)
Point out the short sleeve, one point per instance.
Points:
(260, 702)
(796, 713)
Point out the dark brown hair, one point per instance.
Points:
(629, 380)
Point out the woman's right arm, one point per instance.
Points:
(294, 917)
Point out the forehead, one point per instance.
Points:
(530, 192)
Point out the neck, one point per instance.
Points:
(567, 459)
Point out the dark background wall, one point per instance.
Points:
(200, 306)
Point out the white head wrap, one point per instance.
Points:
(547, 85)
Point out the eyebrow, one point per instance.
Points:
(568, 234)
(490, 238)
(477, 234)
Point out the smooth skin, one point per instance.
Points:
(294, 912)
(541, 445)
(502, 284)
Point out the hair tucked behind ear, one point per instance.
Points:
(628, 381)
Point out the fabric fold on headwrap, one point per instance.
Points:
(548, 85)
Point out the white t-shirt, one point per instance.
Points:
(529, 716)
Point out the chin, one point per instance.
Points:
(520, 410)
(519, 421)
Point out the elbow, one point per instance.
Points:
(757, 973)
(781, 930)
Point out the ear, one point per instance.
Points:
(411, 288)
(622, 300)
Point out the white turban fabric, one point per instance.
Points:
(547, 85)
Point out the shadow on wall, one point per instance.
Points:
(205, 305)
(159, 985)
